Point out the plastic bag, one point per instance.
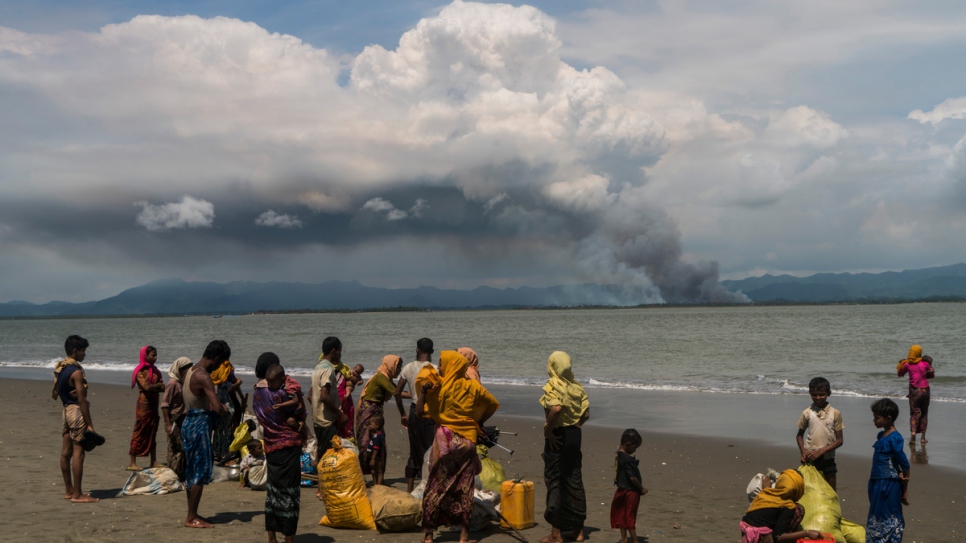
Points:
(240, 441)
(308, 468)
(853, 532)
(823, 512)
(394, 510)
(344, 490)
(492, 474)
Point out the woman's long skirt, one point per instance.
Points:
(146, 419)
(918, 409)
(453, 465)
(886, 523)
(566, 499)
(282, 499)
(369, 410)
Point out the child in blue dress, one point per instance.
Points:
(888, 484)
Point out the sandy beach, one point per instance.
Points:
(696, 483)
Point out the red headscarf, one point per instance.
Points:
(145, 364)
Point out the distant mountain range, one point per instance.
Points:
(176, 297)
(942, 283)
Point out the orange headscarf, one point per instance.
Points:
(473, 370)
(220, 374)
(789, 488)
(914, 356)
(391, 364)
(454, 401)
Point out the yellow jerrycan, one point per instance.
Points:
(517, 504)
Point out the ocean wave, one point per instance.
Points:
(758, 384)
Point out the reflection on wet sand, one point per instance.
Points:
(918, 453)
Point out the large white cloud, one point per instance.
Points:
(187, 213)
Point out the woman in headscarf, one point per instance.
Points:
(172, 407)
(377, 390)
(283, 451)
(774, 516)
(473, 370)
(920, 371)
(566, 408)
(459, 406)
(148, 379)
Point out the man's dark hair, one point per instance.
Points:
(75, 342)
(819, 383)
(265, 361)
(217, 351)
(631, 436)
(425, 345)
(886, 408)
(330, 344)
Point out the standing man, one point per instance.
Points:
(324, 396)
(70, 386)
(422, 429)
(202, 406)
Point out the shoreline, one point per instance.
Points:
(697, 484)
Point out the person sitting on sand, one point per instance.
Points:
(70, 386)
(255, 457)
(566, 408)
(460, 407)
(774, 516)
(150, 385)
(203, 408)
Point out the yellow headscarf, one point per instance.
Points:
(563, 390)
(340, 367)
(914, 356)
(220, 375)
(789, 488)
(455, 402)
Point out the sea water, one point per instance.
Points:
(703, 370)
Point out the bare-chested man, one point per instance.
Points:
(70, 386)
(201, 403)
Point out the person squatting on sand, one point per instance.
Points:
(774, 516)
(627, 477)
(889, 481)
(824, 426)
(70, 386)
(460, 406)
(203, 410)
(147, 377)
(566, 408)
(283, 451)
(376, 392)
(172, 407)
(420, 428)
(920, 371)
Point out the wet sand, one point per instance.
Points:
(697, 484)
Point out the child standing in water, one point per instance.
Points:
(377, 449)
(888, 484)
(623, 510)
(824, 426)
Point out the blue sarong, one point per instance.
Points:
(885, 524)
(196, 437)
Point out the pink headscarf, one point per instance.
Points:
(144, 364)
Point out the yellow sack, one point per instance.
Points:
(344, 490)
(823, 512)
(240, 442)
(492, 474)
(854, 533)
(395, 510)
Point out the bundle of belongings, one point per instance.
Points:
(160, 480)
(344, 490)
(395, 510)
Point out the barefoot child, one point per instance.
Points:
(888, 484)
(255, 457)
(70, 386)
(824, 426)
(623, 510)
(377, 449)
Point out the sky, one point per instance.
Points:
(658, 145)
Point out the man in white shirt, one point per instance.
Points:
(422, 429)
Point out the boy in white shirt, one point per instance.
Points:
(823, 424)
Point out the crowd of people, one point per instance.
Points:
(202, 404)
